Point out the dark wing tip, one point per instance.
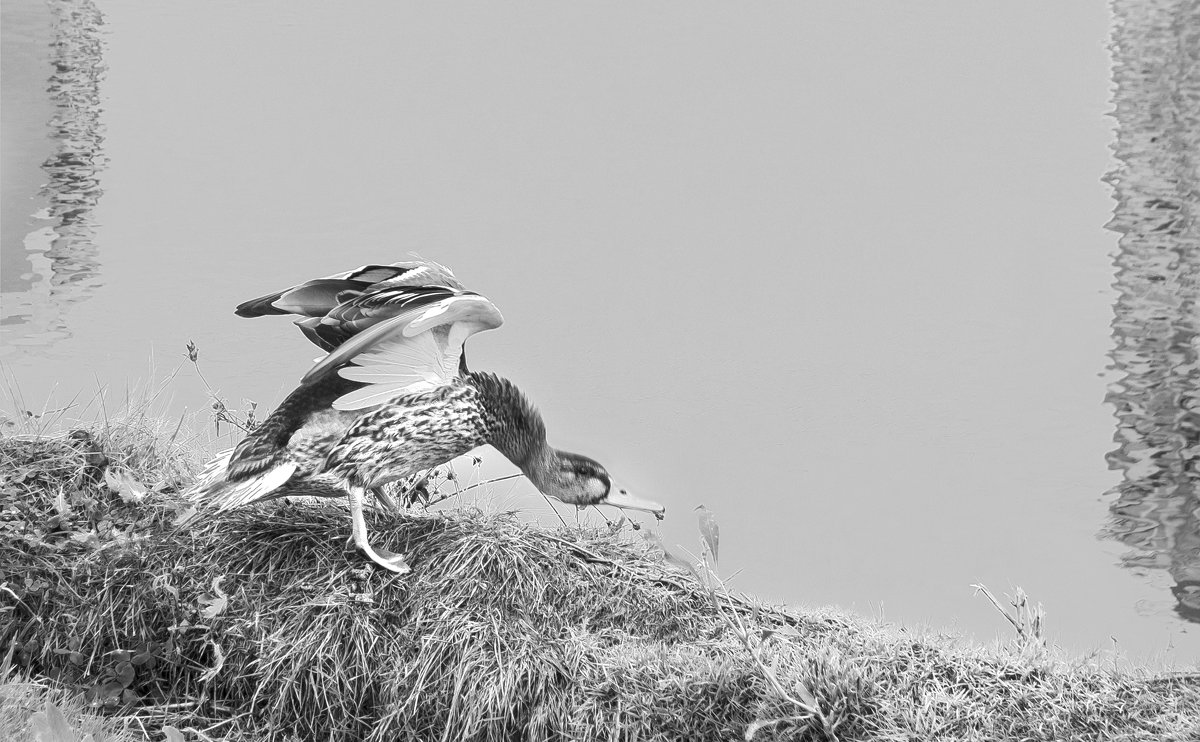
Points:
(260, 307)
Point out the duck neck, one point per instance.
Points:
(514, 426)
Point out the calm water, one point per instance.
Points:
(838, 273)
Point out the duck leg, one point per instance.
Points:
(417, 490)
(384, 499)
(358, 525)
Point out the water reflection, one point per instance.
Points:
(1156, 327)
(61, 250)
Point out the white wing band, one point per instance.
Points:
(412, 352)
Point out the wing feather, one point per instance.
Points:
(400, 365)
(360, 343)
(375, 394)
(374, 306)
(212, 490)
(335, 298)
(470, 308)
(417, 350)
(316, 297)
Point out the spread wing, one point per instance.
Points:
(266, 446)
(336, 307)
(418, 347)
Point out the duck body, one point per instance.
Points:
(409, 434)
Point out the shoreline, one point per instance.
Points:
(257, 624)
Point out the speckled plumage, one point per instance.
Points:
(412, 433)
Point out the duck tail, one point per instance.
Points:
(214, 490)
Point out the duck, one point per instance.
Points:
(393, 398)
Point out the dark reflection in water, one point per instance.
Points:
(1156, 328)
(59, 241)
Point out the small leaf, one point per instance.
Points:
(709, 530)
(51, 726)
(61, 506)
(173, 735)
(681, 563)
(211, 672)
(145, 659)
(754, 726)
(125, 674)
(89, 539)
(215, 605)
(185, 515)
(805, 695)
(110, 692)
(128, 488)
(162, 581)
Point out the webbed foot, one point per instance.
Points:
(384, 558)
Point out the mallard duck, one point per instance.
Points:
(337, 307)
(394, 399)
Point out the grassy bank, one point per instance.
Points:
(259, 624)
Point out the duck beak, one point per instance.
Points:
(619, 497)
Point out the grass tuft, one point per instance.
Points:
(260, 624)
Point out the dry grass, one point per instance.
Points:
(258, 624)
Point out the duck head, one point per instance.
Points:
(581, 481)
(517, 431)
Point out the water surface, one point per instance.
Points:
(836, 271)
(57, 49)
(1156, 506)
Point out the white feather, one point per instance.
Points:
(469, 308)
(274, 479)
(214, 471)
(425, 356)
(211, 489)
(253, 489)
(361, 343)
(464, 314)
(376, 394)
(399, 365)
